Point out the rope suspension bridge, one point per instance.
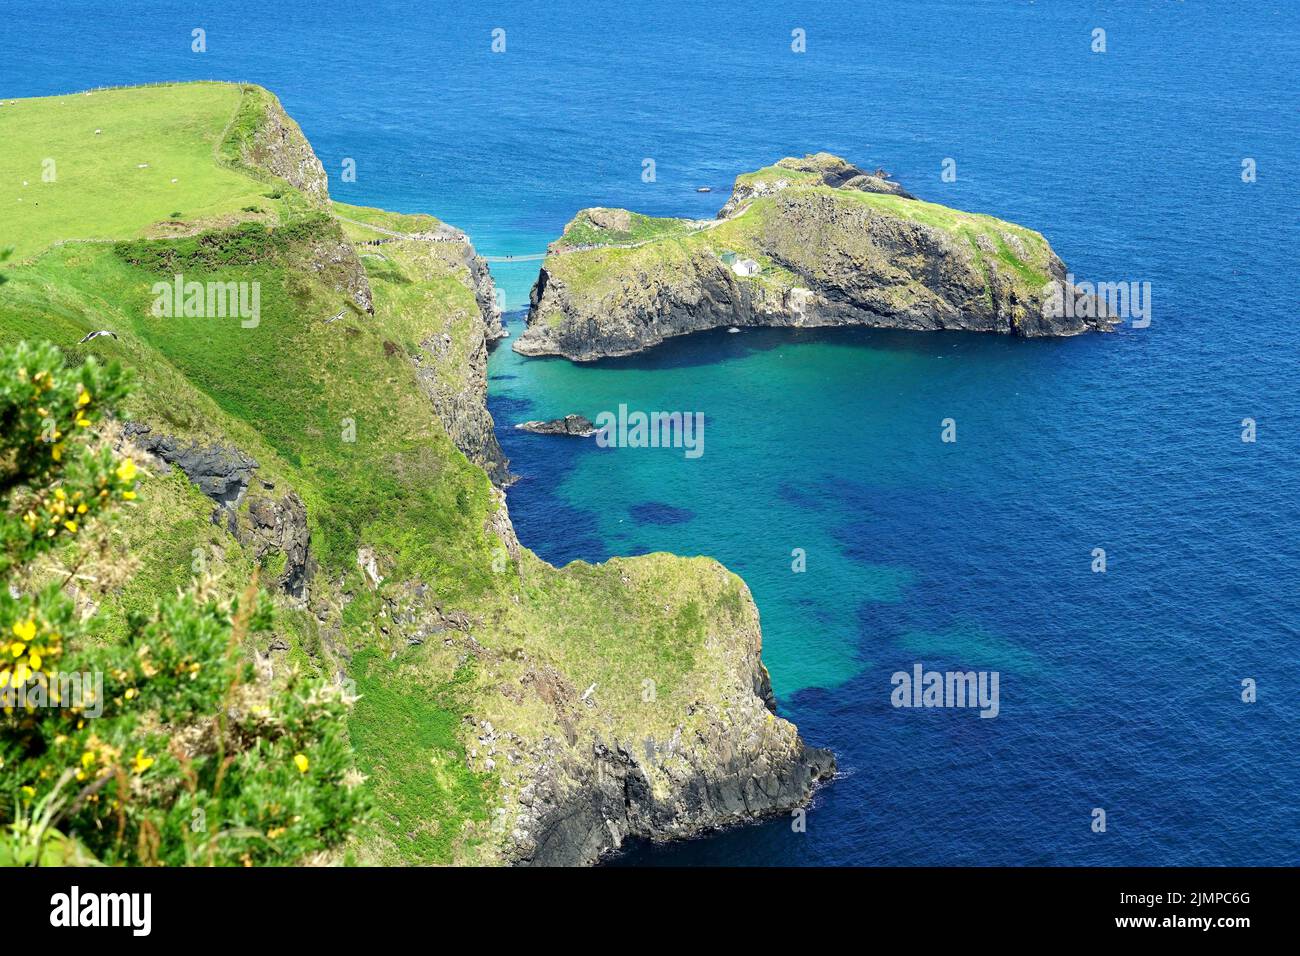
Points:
(447, 236)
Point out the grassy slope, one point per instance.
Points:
(100, 190)
(281, 393)
(392, 221)
(581, 231)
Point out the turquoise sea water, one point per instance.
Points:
(1119, 690)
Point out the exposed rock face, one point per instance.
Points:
(336, 262)
(833, 245)
(574, 425)
(273, 528)
(485, 293)
(615, 220)
(737, 763)
(274, 146)
(222, 472)
(279, 147)
(610, 799)
(452, 369)
(579, 774)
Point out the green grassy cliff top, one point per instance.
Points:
(123, 163)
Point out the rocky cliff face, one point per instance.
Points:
(273, 527)
(335, 261)
(810, 242)
(579, 774)
(583, 770)
(737, 764)
(452, 364)
(275, 144)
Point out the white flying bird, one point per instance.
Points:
(95, 335)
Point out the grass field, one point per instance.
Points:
(382, 219)
(154, 156)
(639, 228)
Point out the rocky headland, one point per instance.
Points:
(507, 711)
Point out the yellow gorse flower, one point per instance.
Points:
(300, 762)
(25, 630)
(141, 763)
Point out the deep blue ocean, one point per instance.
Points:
(1118, 690)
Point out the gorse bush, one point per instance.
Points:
(164, 748)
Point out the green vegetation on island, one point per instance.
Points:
(810, 241)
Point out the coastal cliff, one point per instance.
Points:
(810, 241)
(338, 442)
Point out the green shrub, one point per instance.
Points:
(163, 748)
(246, 244)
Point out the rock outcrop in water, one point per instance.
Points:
(807, 242)
(575, 426)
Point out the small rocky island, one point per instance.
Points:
(811, 241)
(575, 426)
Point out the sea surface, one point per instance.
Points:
(1119, 691)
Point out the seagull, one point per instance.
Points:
(95, 335)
